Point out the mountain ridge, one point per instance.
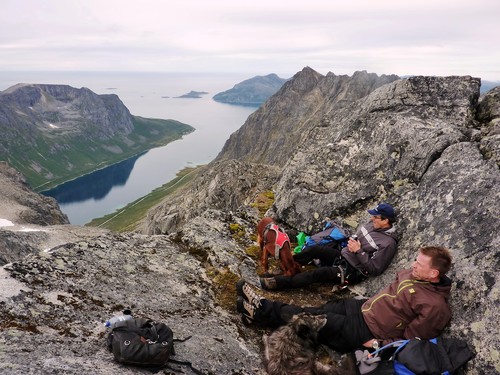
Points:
(78, 130)
(428, 145)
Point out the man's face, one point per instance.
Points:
(422, 270)
(378, 222)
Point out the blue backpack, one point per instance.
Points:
(415, 357)
(332, 234)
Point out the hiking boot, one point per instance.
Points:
(244, 290)
(268, 283)
(246, 309)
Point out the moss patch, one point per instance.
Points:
(263, 202)
(224, 282)
(237, 232)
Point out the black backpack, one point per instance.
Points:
(143, 342)
(416, 357)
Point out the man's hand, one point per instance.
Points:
(371, 344)
(353, 245)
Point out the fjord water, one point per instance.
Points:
(150, 95)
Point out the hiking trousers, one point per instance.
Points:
(345, 329)
(318, 275)
(327, 254)
(333, 265)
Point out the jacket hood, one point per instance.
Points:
(391, 232)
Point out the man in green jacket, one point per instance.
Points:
(415, 304)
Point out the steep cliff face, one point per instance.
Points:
(273, 133)
(427, 145)
(53, 133)
(359, 153)
(62, 109)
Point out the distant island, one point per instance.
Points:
(193, 95)
(252, 92)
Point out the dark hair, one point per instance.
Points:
(391, 220)
(440, 258)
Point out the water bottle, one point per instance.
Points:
(111, 323)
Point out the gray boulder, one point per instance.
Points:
(427, 145)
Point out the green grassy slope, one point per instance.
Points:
(51, 161)
(129, 217)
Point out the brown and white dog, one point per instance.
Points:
(292, 349)
(275, 242)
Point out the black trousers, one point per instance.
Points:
(318, 275)
(327, 254)
(330, 272)
(344, 331)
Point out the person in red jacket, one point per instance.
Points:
(415, 304)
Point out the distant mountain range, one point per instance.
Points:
(251, 92)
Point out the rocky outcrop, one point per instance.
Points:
(428, 145)
(21, 205)
(273, 133)
(489, 114)
(358, 154)
(223, 186)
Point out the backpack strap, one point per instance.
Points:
(186, 363)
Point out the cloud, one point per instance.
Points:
(258, 37)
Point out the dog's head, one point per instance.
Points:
(307, 326)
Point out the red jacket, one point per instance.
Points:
(408, 308)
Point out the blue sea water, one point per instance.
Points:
(151, 95)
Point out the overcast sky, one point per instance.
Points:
(258, 37)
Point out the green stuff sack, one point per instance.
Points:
(301, 240)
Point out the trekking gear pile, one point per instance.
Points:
(438, 356)
(332, 234)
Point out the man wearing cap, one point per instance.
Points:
(415, 304)
(368, 255)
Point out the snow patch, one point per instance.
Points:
(24, 229)
(6, 223)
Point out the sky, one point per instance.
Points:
(258, 37)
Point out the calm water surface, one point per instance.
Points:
(148, 95)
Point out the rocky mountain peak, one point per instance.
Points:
(427, 145)
(330, 148)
